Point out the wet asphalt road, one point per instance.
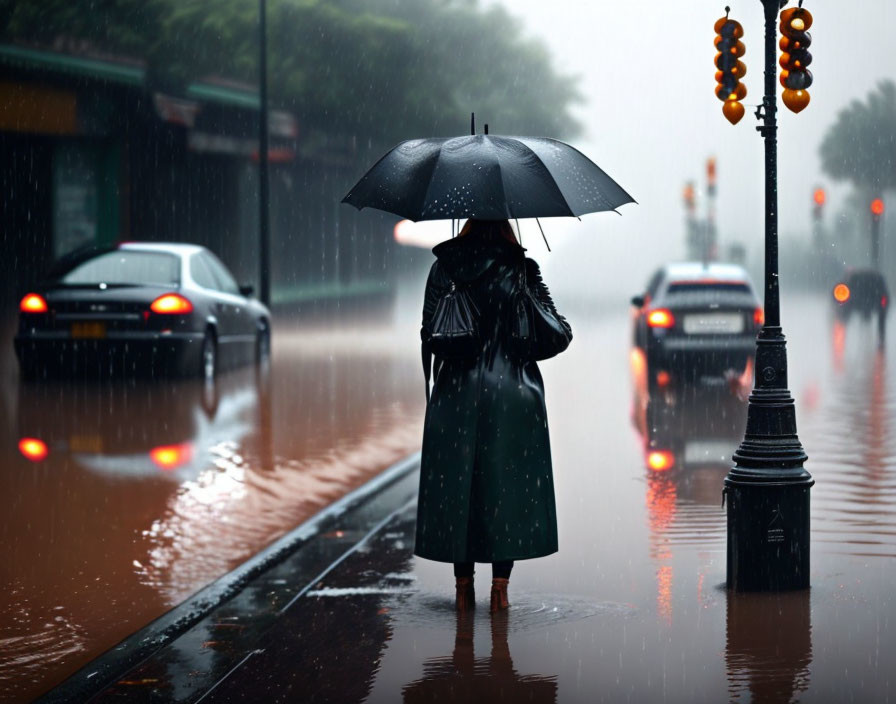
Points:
(630, 609)
(129, 496)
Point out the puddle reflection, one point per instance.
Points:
(464, 677)
(768, 649)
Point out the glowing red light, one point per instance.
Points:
(877, 207)
(171, 303)
(660, 318)
(883, 301)
(33, 449)
(759, 316)
(33, 303)
(841, 293)
(170, 457)
(660, 460)
(663, 379)
(819, 196)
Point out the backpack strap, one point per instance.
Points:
(426, 353)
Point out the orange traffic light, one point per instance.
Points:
(819, 196)
(841, 293)
(877, 207)
(795, 57)
(731, 69)
(688, 195)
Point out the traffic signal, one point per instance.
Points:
(819, 197)
(795, 57)
(688, 195)
(731, 69)
(877, 208)
(711, 176)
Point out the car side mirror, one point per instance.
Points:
(247, 290)
(638, 301)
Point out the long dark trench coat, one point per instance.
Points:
(486, 483)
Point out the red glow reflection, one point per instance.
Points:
(33, 449)
(170, 457)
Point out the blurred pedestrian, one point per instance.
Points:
(486, 484)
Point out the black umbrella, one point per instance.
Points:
(487, 177)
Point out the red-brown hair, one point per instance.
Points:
(489, 230)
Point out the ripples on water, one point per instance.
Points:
(149, 491)
(853, 453)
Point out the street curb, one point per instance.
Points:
(108, 667)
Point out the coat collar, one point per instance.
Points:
(467, 258)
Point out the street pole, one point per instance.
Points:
(711, 235)
(264, 235)
(767, 490)
(877, 210)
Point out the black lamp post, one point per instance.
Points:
(768, 489)
(264, 235)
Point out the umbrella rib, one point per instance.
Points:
(545, 167)
(422, 205)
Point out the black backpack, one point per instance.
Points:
(453, 331)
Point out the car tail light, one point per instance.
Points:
(759, 316)
(660, 460)
(33, 303)
(841, 293)
(660, 318)
(33, 449)
(170, 457)
(171, 304)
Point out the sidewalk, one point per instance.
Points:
(222, 634)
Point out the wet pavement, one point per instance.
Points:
(633, 607)
(121, 499)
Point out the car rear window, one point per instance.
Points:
(726, 286)
(123, 267)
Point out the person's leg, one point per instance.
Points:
(501, 570)
(463, 585)
(500, 579)
(464, 569)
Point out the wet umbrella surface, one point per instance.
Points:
(488, 177)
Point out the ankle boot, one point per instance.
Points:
(499, 600)
(465, 598)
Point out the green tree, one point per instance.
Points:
(860, 147)
(373, 71)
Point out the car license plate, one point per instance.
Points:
(88, 330)
(714, 323)
(709, 451)
(86, 443)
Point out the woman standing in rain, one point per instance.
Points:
(486, 484)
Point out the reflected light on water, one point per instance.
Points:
(33, 449)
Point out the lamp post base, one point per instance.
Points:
(768, 536)
(767, 490)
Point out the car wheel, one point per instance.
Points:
(263, 346)
(209, 360)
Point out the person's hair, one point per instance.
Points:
(489, 230)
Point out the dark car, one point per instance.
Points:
(156, 308)
(696, 324)
(862, 292)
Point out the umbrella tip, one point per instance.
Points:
(472, 123)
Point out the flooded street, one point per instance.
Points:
(143, 494)
(122, 499)
(633, 607)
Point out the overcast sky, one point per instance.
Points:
(652, 119)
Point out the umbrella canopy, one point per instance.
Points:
(487, 177)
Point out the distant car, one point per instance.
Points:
(140, 308)
(861, 292)
(696, 324)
